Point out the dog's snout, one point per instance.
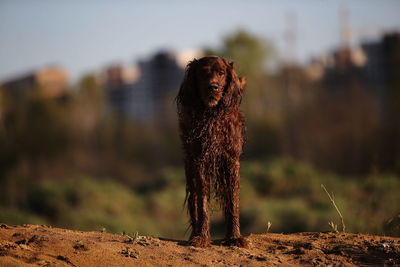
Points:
(213, 87)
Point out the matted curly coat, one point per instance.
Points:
(212, 133)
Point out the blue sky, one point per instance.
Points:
(85, 36)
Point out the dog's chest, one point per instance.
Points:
(224, 137)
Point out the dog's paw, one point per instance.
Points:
(199, 241)
(240, 242)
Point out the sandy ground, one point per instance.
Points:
(32, 245)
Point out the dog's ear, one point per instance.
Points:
(188, 92)
(234, 88)
(242, 84)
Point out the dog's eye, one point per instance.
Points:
(221, 73)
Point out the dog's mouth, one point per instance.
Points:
(212, 101)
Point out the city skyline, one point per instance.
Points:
(86, 37)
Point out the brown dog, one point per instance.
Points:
(212, 133)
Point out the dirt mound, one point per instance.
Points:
(31, 245)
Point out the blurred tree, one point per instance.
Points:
(91, 89)
(251, 56)
(33, 134)
(8, 156)
(250, 52)
(35, 129)
(86, 108)
(263, 96)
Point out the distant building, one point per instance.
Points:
(117, 90)
(383, 64)
(150, 94)
(51, 82)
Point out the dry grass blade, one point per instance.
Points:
(269, 224)
(337, 209)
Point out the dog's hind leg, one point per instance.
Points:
(191, 198)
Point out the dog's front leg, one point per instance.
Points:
(202, 237)
(231, 206)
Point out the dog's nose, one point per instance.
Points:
(213, 87)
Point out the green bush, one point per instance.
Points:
(87, 204)
(17, 216)
(284, 192)
(289, 195)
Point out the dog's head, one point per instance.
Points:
(210, 82)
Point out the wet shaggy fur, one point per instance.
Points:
(212, 133)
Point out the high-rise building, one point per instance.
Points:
(152, 92)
